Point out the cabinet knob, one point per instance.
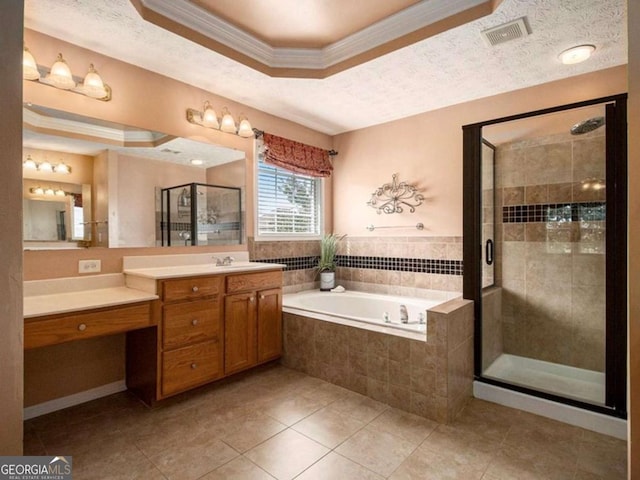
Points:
(252, 299)
(261, 297)
(194, 289)
(194, 366)
(194, 322)
(82, 327)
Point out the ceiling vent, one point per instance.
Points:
(505, 32)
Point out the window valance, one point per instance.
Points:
(296, 157)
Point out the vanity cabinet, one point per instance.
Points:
(253, 320)
(209, 327)
(191, 333)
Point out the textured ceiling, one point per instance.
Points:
(453, 67)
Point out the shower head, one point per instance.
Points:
(587, 126)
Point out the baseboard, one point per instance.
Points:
(75, 399)
(597, 422)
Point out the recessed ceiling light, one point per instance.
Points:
(196, 161)
(576, 54)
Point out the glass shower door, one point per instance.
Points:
(548, 321)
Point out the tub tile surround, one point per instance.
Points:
(550, 233)
(404, 266)
(432, 379)
(236, 430)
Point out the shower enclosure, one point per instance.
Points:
(200, 214)
(545, 252)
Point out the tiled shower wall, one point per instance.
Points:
(550, 234)
(394, 265)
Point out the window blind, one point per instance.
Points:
(288, 203)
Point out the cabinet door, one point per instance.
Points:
(239, 332)
(269, 324)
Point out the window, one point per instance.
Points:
(288, 203)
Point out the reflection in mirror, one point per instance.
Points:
(199, 214)
(119, 171)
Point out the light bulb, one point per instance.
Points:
(60, 193)
(29, 66)
(49, 191)
(62, 168)
(244, 129)
(45, 167)
(29, 164)
(37, 191)
(228, 124)
(92, 85)
(209, 116)
(60, 75)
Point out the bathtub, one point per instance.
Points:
(370, 311)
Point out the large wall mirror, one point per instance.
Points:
(89, 183)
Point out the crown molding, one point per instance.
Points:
(114, 136)
(200, 20)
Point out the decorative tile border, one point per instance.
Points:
(417, 265)
(554, 212)
(292, 263)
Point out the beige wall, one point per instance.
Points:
(426, 150)
(11, 370)
(150, 101)
(634, 237)
(137, 179)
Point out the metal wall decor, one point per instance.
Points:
(394, 197)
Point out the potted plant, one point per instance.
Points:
(327, 261)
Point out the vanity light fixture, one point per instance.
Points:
(576, 54)
(226, 123)
(46, 166)
(49, 191)
(60, 76)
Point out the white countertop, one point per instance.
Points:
(39, 305)
(177, 271)
(64, 295)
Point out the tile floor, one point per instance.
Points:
(279, 423)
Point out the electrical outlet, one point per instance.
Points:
(89, 266)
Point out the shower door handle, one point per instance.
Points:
(488, 252)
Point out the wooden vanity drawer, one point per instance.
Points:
(189, 367)
(54, 329)
(253, 281)
(192, 287)
(189, 322)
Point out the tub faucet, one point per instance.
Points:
(404, 315)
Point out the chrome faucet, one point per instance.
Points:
(223, 262)
(404, 315)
